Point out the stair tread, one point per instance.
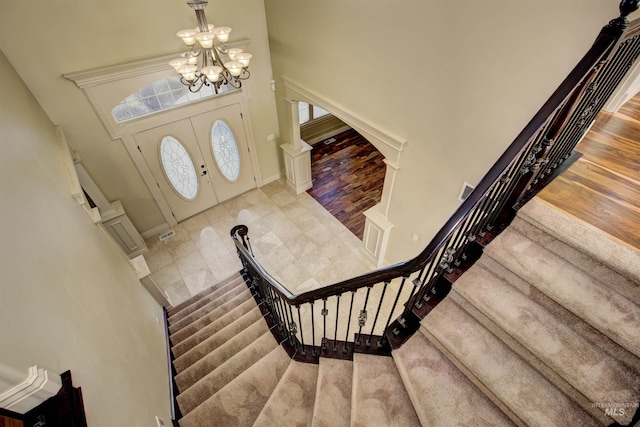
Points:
(212, 328)
(228, 292)
(212, 316)
(511, 380)
(378, 394)
(171, 311)
(239, 403)
(291, 403)
(601, 246)
(208, 385)
(227, 348)
(441, 394)
(625, 286)
(591, 371)
(333, 393)
(609, 312)
(213, 342)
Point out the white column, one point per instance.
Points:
(377, 228)
(297, 155)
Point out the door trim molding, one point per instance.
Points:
(159, 119)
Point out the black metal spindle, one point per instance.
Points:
(304, 350)
(430, 271)
(313, 329)
(395, 303)
(375, 319)
(346, 338)
(335, 333)
(362, 318)
(324, 312)
(291, 325)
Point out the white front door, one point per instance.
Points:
(199, 161)
(224, 146)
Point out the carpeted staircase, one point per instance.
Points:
(536, 333)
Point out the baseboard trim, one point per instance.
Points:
(327, 135)
(271, 179)
(155, 230)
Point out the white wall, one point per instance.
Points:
(68, 298)
(457, 79)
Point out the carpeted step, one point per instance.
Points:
(378, 394)
(333, 393)
(208, 385)
(228, 347)
(595, 376)
(291, 403)
(209, 318)
(239, 402)
(223, 321)
(228, 292)
(615, 281)
(588, 298)
(506, 378)
(171, 311)
(600, 246)
(441, 394)
(225, 334)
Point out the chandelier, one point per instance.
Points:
(213, 63)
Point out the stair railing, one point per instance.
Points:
(377, 311)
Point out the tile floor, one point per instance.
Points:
(300, 243)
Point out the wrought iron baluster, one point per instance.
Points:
(313, 329)
(430, 271)
(346, 338)
(335, 334)
(375, 319)
(324, 312)
(293, 328)
(489, 207)
(282, 326)
(303, 351)
(395, 302)
(362, 318)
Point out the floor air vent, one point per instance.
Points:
(329, 141)
(168, 234)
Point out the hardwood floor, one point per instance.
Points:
(603, 186)
(348, 176)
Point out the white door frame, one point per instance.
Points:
(173, 115)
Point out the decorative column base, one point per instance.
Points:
(377, 229)
(297, 166)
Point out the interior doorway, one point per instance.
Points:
(348, 175)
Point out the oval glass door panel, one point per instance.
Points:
(225, 150)
(179, 167)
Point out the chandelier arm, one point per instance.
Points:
(216, 57)
(245, 74)
(222, 47)
(197, 83)
(229, 79)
